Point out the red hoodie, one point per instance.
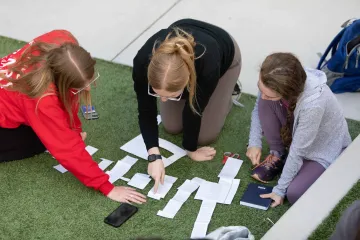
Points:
(51, 122)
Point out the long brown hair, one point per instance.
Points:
(67, 66)
(172, 65)
(284, 74)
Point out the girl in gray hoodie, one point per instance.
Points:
(302, 123)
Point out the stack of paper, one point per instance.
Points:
(91, 150)
(163, 189)
(183, 193)
(203, 219)
(121, 168)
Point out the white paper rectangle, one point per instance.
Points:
(129, 160)
(164, 214)
(104, 163)
(209, 191)
(234, 186)
(60, 168)
(137, 147)
(206, 211)
(170, 179)
(172, 207)
(119, 170)
(181, 196)
(163, 189)
(158, 119)
(139, 181)
(231, 168)
(125, 179)
(189, 186)
(199, 230)
(225, 189)
(91, 150)
(198, 180)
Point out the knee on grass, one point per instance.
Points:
(293, 195)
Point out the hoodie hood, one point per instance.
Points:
(314, 85)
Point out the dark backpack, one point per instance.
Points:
(343, 68)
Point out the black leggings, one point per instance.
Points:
(19, 143)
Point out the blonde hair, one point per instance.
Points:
(67, 66)
(172, 65)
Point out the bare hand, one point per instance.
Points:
(83, 135)
(126, 195)
(254, 154)
(277, 199)
(156, 170)
(202, 154)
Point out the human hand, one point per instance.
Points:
(156, 170)
(276, 198)
(126, 195)
(254, 154)
(83, 135)
(202, 154)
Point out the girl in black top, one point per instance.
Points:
(192, 66)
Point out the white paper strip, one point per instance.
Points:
(137, 147)
(139, 181)
(232, 192)
(60, 168)
(203, 219)
(104, 163)
(121, 168)
(91, 150)
(231, 168)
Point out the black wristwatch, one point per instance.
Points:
(154, 157)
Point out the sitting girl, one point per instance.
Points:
(303, 125)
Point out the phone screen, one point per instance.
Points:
(121, 214)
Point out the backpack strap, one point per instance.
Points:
(333, 46)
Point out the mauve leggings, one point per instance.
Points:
(272, 116)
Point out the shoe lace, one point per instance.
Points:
(269, 161)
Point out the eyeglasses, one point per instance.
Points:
(168, 98)
(96, 78)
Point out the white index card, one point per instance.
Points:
(189, 186)
(60, 168)
(234, 187)
(181, 196)
(199, 230)
(104, 163)
(162, 190)
(206, 211)
(231, 168)
(139, 181)
(91, 150)
(170, 179)
(208, 191)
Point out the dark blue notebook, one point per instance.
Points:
(251, 197)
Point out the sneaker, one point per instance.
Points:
(268, 169)
(237, 94)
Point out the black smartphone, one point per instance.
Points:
(121, 215)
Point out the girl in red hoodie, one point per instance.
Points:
(40, 88)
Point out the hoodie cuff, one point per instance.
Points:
(279, 192)
(106, 188)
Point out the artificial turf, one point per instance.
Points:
(38, 202)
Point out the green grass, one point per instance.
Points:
(37, 202)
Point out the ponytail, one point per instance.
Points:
(174, 60)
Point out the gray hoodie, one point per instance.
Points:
(320, 131)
